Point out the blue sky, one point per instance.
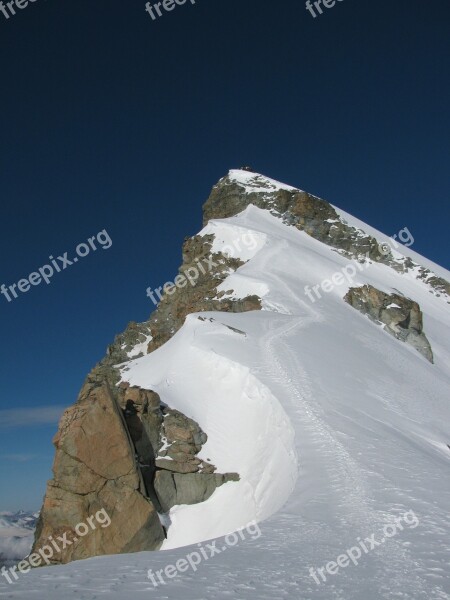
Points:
(112, 121)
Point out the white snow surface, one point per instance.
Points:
(140, 348)
(336, 428)
(255, 182)
(398, 249)
(234, 241)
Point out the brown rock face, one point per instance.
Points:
(210, 270)
(111, 448)
(400, 316)
(95, 470)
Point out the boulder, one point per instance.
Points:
(400, 316)
(95, 469)
(192, 488)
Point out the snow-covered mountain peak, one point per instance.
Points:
(295, 350)
(256, 182)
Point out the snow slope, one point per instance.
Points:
(336, 428)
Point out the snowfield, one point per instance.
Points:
(336, 428)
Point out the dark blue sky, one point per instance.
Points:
(110, 120)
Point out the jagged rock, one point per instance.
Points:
(174, 488)
(179, 428)
(107, 457)
(165, 440)
(144, 417)
(178, 467)
(401, 316)
(202, 296)
(95, 469)
(298, 208)
(314, 216)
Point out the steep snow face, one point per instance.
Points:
(336, 428)
(367, 410)
(402, 251)
(201, 373)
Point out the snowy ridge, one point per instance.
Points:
(231, 404)
(336, 375)
(256, 182)
(402, 250)
(335, 427)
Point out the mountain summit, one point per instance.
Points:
(296, 371)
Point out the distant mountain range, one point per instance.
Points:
(16, 535)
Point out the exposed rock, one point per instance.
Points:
(166, 441)
(192, 488)
(211, 269)
(143, 417)
(401, 316)
(300, 209)
(107, 455)
(314, 216)
(95, 469)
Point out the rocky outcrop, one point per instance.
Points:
(95, 469)
(209, 270)
(295, 207)
(400, 316)
(167, 444)
(192, 488)
(124, 452)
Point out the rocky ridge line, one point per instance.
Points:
(313, 215)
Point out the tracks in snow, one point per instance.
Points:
(341, 488)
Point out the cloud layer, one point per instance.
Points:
(25, 417)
